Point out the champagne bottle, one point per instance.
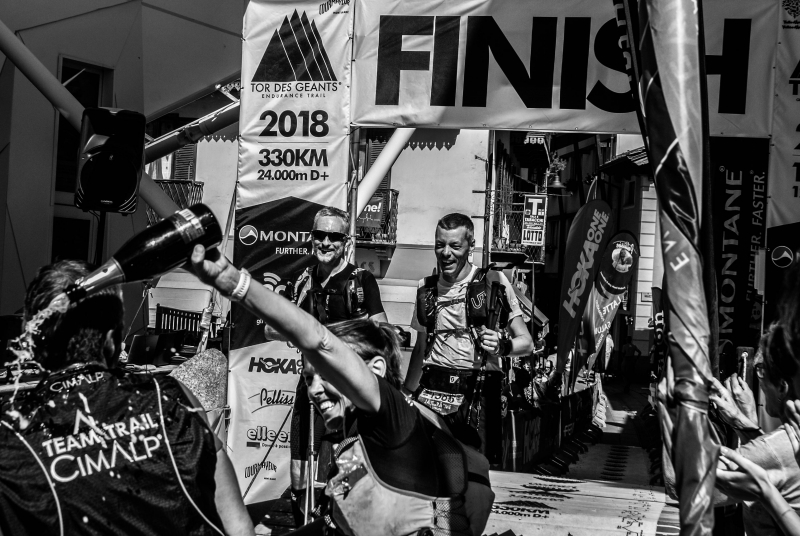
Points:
(156, 250)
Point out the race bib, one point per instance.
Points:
(441, 403)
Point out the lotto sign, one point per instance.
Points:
(533, 220)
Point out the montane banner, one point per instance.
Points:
(293, 160)
(619, 264)
(586, 242)
(554, 66)
(739, 182)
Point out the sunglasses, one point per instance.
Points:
(333, 237)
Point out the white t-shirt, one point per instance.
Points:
(456, 350)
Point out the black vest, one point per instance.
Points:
(100, 455)
(476, 300)
(309, 295)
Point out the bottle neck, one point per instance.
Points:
(107, 275)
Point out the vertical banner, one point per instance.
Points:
(587, 236)
(672, 67)
(619, 263)
(534, 219)
(739, 184)
(293, 160)
(783, 218)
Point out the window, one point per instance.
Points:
(376, 141)
(629, 200)
(88, 83)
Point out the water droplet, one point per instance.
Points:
(85, 519)
(112, 474)
(141, 437)
(158, 436)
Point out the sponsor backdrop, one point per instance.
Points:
(783, 217)
(543, 65)
(586, 242)
(739, 182)
(293, 159)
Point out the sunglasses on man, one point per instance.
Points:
(320, 236)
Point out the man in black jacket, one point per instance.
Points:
(92, 450)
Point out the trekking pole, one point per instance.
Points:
(309, 502)
(495, 307)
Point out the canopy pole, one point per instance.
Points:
(372, 180)
(70, 109)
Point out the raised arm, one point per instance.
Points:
(334, 360)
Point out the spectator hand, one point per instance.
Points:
(740, 478)
(727, 406)
(742, 396)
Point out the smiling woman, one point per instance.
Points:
(395, 469)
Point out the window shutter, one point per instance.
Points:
(184, 164)
(376, 141)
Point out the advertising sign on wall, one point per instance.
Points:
(293, 160)
(534, 219)
(551, 66)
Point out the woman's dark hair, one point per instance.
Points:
(368, 339)
(77, 336)
(781, 343)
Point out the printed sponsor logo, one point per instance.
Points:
(792, 7)
(95, 447)
(249, 235)
(782, 257)
(479, 300)
(253, 470)
(579, 279)
(272, 397)
(74, 381)
(324, 7)
(275, 365)
(295, 53)
(263, 436)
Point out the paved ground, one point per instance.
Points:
(607, 491)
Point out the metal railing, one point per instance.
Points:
(386, 232)
(508, 208)
(184, 193)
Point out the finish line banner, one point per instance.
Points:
(293, 160)
(552, 66)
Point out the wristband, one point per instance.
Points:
(242, 286)
(508, 346)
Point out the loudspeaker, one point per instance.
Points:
(110, 160)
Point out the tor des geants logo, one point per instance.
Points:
(782, 257)
(295, 53)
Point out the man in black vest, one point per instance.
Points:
(92, 450)
(454, 344)
(333, 290)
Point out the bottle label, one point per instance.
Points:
(187, 225)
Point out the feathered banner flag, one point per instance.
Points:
(671, 90)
